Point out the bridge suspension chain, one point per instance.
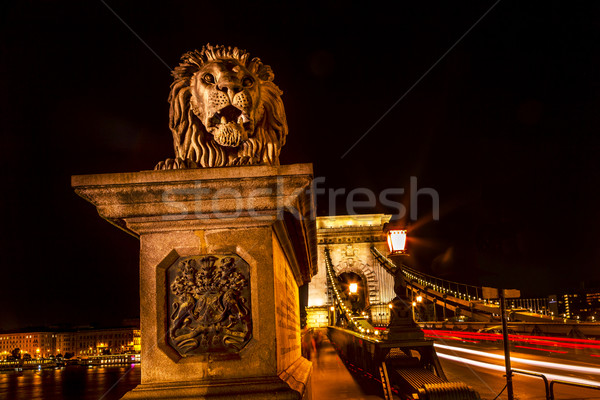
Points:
(343, 304)
(455, 289)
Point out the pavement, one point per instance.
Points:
(331, 379)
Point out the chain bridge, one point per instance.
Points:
(383, 316)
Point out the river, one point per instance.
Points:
(70, 383)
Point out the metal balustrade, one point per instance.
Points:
(444, 286)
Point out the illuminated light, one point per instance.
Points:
(353, 288)
(332, 308)
(453, 338)
(397, 241)
(414, 303)
(419, 299)
(503, 369)
(548, 350)
(390, 305)
(565, 367)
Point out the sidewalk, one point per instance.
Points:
(331, 379)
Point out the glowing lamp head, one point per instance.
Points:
(332, 308)
(419, 299)
(397, 241)
(353, 288)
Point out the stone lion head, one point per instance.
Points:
(224, 110)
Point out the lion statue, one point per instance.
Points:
(225, 110)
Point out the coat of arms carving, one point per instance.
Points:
(209, 300)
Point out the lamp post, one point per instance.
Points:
(419, 299)
(332, 316)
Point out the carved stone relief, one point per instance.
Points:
(209, 304)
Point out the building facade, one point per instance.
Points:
(35, 344)
(78, 343)
(582, 306)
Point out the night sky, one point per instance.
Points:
(506, 128)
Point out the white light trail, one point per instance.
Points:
(494, 367)
(553, 365)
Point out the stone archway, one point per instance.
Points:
(366, 272)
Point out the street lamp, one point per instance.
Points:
(396, 239)
(353, 288)
(414, 304)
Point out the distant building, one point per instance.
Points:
(583, 306)
(36, 344)
(593, 306)
(100, 341)
(79, 343)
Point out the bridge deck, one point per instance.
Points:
(331, 379)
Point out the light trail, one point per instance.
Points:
(564, 367)
(538, 349)
(502, 369)
(568, 343)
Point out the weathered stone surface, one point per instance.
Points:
(198, 199)
(184, 215)
(292, 384)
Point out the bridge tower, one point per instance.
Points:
(349, 239)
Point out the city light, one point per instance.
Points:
(353, 288)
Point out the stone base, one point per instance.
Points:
(258, 216)
(292, 384)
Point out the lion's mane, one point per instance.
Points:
(194, 146)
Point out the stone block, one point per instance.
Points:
(203, 334)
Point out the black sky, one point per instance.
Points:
(505, 128)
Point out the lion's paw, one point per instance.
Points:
(175, 163)
(244, 160)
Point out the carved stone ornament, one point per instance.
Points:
(224, 110)
(209, 301)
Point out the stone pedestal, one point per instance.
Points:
(223, 252)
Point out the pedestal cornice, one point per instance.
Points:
(213, 198)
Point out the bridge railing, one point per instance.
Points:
(549, 385)
(467, 295)
(456, 289)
